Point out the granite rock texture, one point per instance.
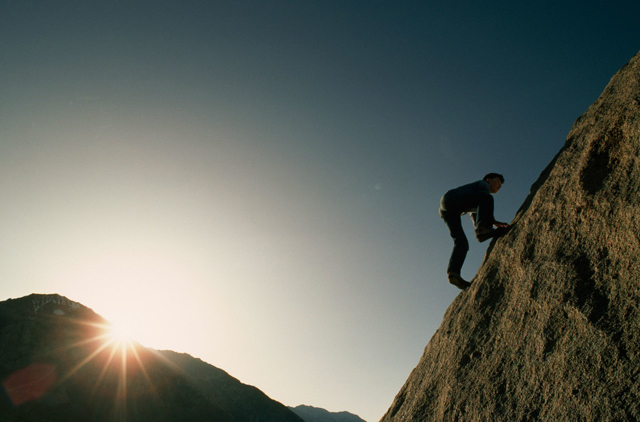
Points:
(550, 328)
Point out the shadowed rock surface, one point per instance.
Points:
(550, 328)
(57, 365)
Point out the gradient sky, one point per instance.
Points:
(256, 183)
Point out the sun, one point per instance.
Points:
(113, 352)
(119, 334)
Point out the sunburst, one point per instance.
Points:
(114, 354)
(122, 350)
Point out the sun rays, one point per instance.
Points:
(118, 354)
(96, 363)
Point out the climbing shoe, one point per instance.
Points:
(485, 233)
(458, 281)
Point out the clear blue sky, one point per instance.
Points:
(256, 183)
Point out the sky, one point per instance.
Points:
(256, 183)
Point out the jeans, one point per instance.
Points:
(451, 210)
(460, 242)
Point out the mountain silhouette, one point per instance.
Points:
(58, 363)
(316, 414)
(549, 329)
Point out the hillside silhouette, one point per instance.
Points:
(58, 363)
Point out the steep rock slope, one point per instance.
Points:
(550, 328)
(57, 363)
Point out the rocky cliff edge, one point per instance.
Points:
(549, 329)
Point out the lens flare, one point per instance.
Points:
(116, 350)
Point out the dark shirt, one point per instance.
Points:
(464, 199)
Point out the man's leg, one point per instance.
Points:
(460, 242)
(484, 220)
(484, 216)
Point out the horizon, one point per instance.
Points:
(269, 175)
(115, 339)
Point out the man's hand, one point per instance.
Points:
(501, 225)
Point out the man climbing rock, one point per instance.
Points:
(475, 199)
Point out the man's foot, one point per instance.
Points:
(458, 281)
(485, 233)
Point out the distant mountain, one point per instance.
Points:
(315, 414)
(57, 363)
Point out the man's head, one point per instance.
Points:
(495, 181)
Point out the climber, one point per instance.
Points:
(475, 199)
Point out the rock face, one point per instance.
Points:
(315, 414)
(550, 328)
(57, 364)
